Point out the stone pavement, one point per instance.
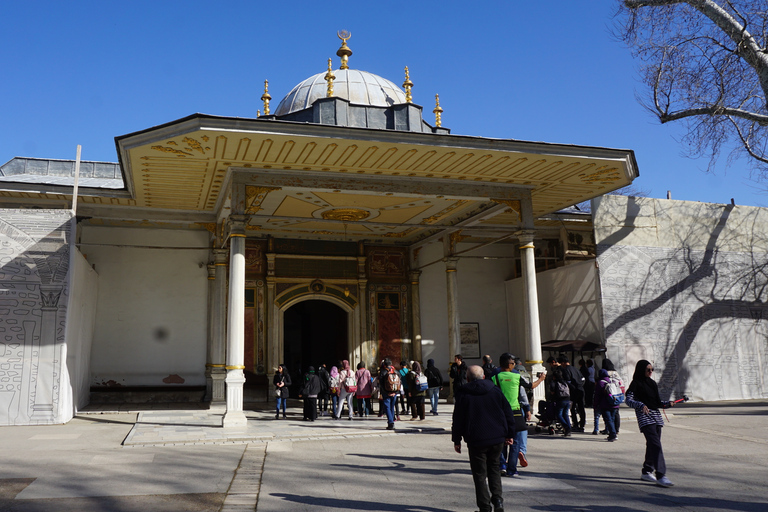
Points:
(202, 426)
(176, 459)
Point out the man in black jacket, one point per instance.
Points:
(458, 372)
(483, 418)
(575, 381)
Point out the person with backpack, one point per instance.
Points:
(643, 397)
(389, 386)
(435, 383)
(604, 401)
(333, 389)
(405, 399)
(561, 395)
(313, 386)
(614, 375)
(347, 389)
(364, 390)
(417, 386)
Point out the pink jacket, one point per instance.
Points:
(364, 387)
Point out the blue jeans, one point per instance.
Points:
(562, 409)
(609, 417)
(520, 445)
(280, 404)
(434, 396)
(510, 454)
(598, 413)
(389, 408)
(334, 402)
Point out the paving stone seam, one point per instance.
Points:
(243, 492)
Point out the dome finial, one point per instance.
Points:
(344, 52)
(407, 86)
(266, 97)
(438, 112)
(330, 77)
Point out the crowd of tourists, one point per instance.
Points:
(327, 392)
(492, 406)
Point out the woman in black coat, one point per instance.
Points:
(281, 381)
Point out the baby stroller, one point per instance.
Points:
(547, 419)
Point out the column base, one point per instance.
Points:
(208, 386)
(234, 419)
(218, 387)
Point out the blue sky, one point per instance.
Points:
(84, 72)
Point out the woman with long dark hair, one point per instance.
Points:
(281, 381)
(643, 396)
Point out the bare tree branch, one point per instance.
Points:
(705, 64)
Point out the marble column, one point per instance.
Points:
(531, 309)
(274, 353)
(234, 416)
(209, 341)
(219, 328)
(416, 316)
(454, 333)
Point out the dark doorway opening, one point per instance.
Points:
(314, 332)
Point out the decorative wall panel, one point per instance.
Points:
(34, 267)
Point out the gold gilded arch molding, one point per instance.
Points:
(311, 289)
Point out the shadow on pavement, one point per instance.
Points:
(341, 504)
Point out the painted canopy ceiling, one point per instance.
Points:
(422, 181)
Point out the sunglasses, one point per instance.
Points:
(649, 370)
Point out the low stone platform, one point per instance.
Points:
(193, 424)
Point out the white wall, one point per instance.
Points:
(482, 300)
(684, 285)
(81, 321)
(152, 308)
(569, 306)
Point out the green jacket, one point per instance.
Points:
(509, 382)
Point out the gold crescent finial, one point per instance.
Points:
(438, 111)
(344, 52)
(329, 78)
(266, 97)
(344, 35)
(407, 86)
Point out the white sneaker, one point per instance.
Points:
(664, 482)
(648, 477)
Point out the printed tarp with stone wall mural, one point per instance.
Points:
(34, 267)
(685, 286)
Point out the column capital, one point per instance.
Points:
(450, 263)
(237, 225)
(221, 256)
(414, 276)
(526, 236)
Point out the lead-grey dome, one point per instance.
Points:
(359, 87)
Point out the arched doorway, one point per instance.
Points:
(314, 332)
